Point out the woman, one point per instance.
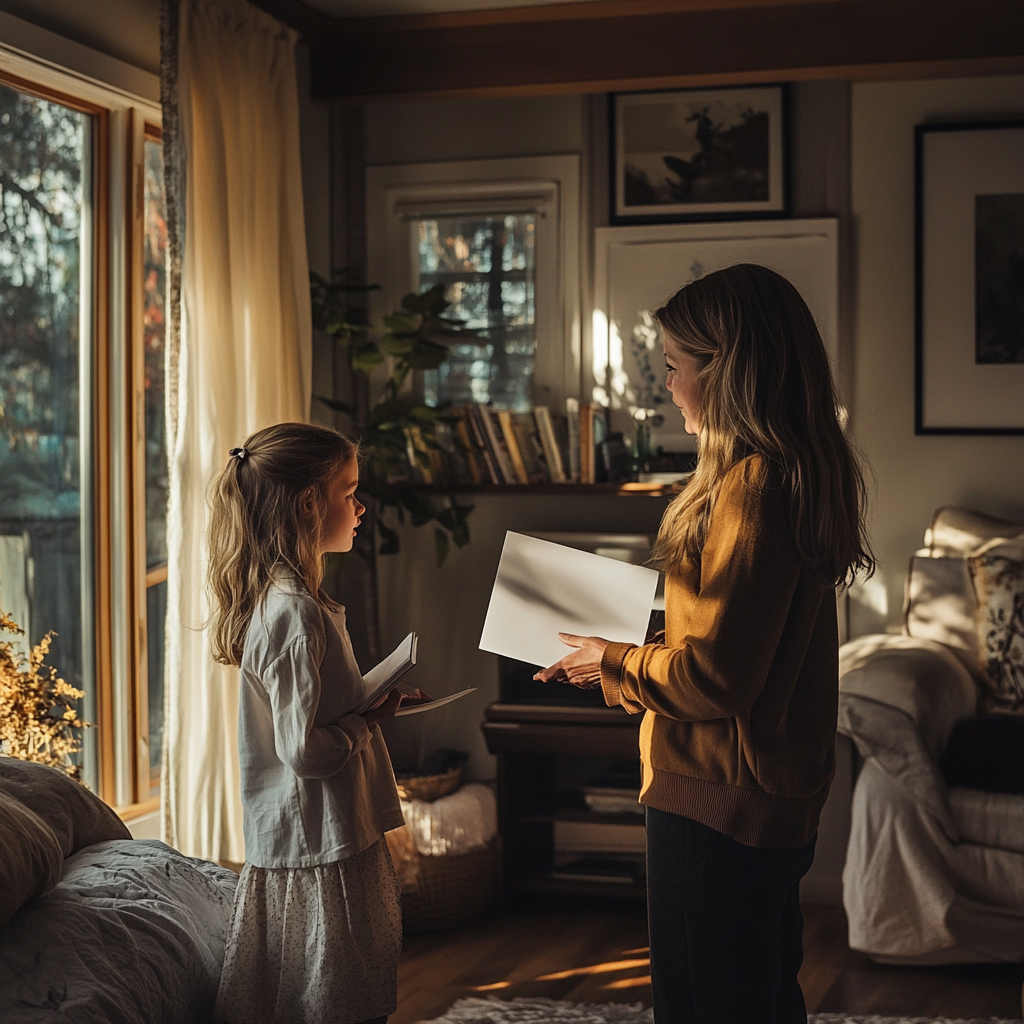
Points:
(738, 741)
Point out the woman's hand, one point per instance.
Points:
(582, 667)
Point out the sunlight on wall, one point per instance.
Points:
(872, 594)
(600, 358)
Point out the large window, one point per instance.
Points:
(83, 464)
(45, 257)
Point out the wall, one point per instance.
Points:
(913, 475)
(447, 605)
(126, 29)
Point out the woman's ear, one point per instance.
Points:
(307, 501)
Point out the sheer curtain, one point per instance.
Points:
(239, 355)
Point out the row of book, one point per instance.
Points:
(475, 445)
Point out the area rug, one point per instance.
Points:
(542, 1011)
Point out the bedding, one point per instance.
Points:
(133, 933)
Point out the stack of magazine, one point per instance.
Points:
(616, 791)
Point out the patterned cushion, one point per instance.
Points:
(998, 573)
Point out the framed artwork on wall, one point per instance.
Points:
(699, 154)
(637, 268)
(969, 355)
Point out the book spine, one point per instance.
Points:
(549, 444)
(501, 459)
(508, 432)
(530, 448)
(476, 426)
(469, 455)
(586, 431)
(572, 408)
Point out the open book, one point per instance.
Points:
(383, 678)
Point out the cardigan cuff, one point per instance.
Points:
(611, 676)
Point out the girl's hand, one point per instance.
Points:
(386, 709)
(582, 667)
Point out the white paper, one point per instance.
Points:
(542, 589)
(383, 677)
(415, 709)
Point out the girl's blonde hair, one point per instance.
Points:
(767, 390)
(267, 510)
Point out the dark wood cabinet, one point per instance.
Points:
(545, 754)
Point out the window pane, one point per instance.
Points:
(156, 613)
(154, 337)
(154, 343)
(486, 264)
(43, 151)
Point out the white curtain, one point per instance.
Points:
(243, 362)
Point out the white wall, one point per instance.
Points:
(914, 475)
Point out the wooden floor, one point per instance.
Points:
(588, 953)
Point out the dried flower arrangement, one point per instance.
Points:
(37, 712)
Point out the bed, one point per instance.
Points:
(95, 926)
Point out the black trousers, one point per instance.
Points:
(725, 925)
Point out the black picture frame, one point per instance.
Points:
(967, 381)
(759, 186)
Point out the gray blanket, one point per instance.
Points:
(133, 934)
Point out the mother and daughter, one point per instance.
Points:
(740, 695)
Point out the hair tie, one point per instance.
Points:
(240, 453)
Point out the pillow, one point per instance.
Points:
(959, 532)
(986, 753)
(998, 573)
(941, 605)
(30, 857)
(77, 817)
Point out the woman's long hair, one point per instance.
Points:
(267, 509)
(767, 390)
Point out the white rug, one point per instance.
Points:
(542, 1011)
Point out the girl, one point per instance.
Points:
(741, 697)
(316, 927)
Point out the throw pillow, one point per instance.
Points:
(986, 753)
(998, 572)
(30, 857)
(77, 817)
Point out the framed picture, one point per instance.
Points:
(969, 358)
(637, 268)
(699, 154)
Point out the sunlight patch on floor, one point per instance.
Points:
(490, 988)
(642, 980)
(605, 968)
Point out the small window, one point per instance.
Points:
(486, 264)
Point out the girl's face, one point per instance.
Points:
(684, 382)
(343, 509)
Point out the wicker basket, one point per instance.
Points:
(451, 890)
(429, 787)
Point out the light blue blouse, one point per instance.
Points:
(317, 782)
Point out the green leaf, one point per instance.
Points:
(401, 323)
(397, 345)
(367, 359)
(440, 545)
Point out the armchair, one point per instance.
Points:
(933, 874)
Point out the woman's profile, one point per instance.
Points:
(738, 740)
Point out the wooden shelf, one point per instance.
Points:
(544, 884)
(623, 490)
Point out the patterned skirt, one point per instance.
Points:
(314, 945)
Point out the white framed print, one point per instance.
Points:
(638, 268)
(699, 154)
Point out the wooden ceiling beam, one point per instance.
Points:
(662, 44)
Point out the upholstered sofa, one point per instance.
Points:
(935, 873)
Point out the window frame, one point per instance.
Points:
(546, 185)
(113, 613)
